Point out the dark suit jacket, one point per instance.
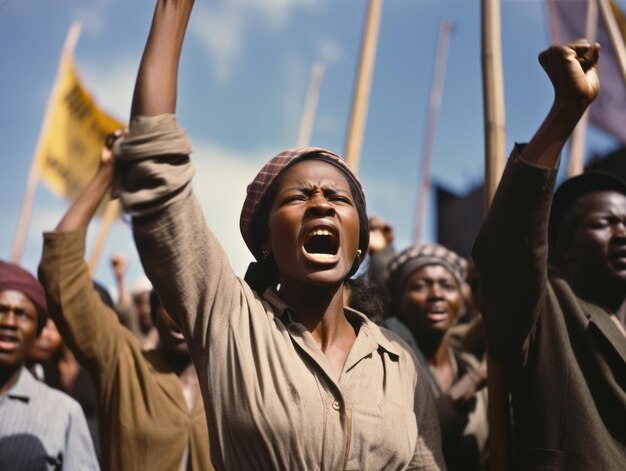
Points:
(564, 359)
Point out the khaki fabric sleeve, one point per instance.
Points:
(180, 255)
(89, 327)
(153, 170)
(428, 454)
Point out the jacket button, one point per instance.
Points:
(336, 405)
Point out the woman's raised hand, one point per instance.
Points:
(106, 154)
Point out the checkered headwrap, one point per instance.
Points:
(412, 259)
(268, 174)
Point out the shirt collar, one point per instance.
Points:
(281, 307)
(23, 389)
(285, 312)
(374, 331)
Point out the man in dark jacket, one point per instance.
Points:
(558, 330)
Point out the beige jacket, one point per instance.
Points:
(271, 400)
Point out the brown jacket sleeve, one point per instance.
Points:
(511, 255)
(89, 327)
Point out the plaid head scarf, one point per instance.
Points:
(412, 259)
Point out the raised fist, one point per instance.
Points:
(572, 69)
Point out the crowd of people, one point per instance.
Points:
(309, 362)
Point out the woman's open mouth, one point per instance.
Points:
(436, 313)
(322, 244)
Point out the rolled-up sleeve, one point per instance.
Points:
(153, 169)
(180, 255)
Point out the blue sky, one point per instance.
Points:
(243, 82)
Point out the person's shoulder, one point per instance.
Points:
(467, 359)
(54, 400)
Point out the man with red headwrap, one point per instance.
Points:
(39, 426)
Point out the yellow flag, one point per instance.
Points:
(72, 136)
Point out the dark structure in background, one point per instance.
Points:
(615, 162)
(459, 218)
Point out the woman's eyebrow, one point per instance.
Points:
(337, 190)
(309, 187)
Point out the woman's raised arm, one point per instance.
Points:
(155, 88)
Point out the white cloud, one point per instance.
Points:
(275, 12)
(220, 182)
(222, 29)
(92, 15)
(111, 83)
(329, 50)
(222, 176)
(293, 96)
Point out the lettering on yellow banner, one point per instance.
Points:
(72, 136)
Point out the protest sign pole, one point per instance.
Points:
(434, 105)
(358, 117)
(310, 106)
(576, 157)
(493, 104)
(33, 174)
(111, 213)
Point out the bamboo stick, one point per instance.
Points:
(615, 36)
(310, 106)
(358, 117)
(576, 157)
(111, 213)
(33, 175)
(493, 96)
(434, 105)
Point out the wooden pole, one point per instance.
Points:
(33, 175)
(493, 103)
(310, 106)
(111, 213)
(493, 96)
(615, 36)
(553, 26)
(358, 117)
(27, 208)
(434, 105)
(576, 157)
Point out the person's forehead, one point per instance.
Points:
(314, 171)
(432, 271)
(601, 202)
(16, 298)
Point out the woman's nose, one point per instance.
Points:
(320, 206)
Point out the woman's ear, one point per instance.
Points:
(266, 245)
(265, 252)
